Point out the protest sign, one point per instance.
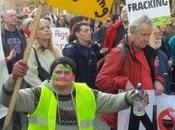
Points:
(160, 112)
(165, 112)
(157, 10)
(60, 36)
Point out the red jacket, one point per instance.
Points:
(117, 69)
(111, 34)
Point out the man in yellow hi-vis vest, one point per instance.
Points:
(60, 103)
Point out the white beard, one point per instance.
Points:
(158, 44)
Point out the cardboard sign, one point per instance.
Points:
(160, 114)
(60, 36)
(157, 10)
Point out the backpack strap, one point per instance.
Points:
(124, 48)
(36, 56)
(42, 73)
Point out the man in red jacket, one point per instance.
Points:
(117, 31)
(127, 66)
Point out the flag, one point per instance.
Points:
(96, 9)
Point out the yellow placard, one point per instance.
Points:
(96, 9)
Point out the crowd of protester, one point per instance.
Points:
(110, 56)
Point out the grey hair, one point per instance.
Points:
(136, 23)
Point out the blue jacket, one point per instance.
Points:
(85, 59)
(99, 35)
(163, 69)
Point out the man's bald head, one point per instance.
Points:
(9, 12)
(10, 18)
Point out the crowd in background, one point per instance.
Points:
(89, 43)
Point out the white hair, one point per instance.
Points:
(137, 22)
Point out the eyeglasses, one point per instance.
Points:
(86, 30)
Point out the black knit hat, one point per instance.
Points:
(64, 61)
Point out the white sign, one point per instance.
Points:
(160, 112)
(60, 36)
(4, 74)
(165, 111)
(151, 8)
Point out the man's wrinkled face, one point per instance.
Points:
(10, 18)
(85, 34)
(156, 38)
(62, 76)
(142, 36)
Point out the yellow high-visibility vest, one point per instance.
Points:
(44, 117)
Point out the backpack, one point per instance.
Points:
(123, 48)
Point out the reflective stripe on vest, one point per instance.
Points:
(85, 105)
(36, 120)
(44, 117)
(86, 124)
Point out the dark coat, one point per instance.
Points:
(85, 58)
(99, 35)
(19, 45)
(164, 70)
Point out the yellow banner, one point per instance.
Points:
(96, 9)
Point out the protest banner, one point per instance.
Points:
(160, 111)
(157, 10)
(96, 9)
(165, 112)
(60, 36)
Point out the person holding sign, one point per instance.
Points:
(60, 103)
(13, 44)
(127, 65)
